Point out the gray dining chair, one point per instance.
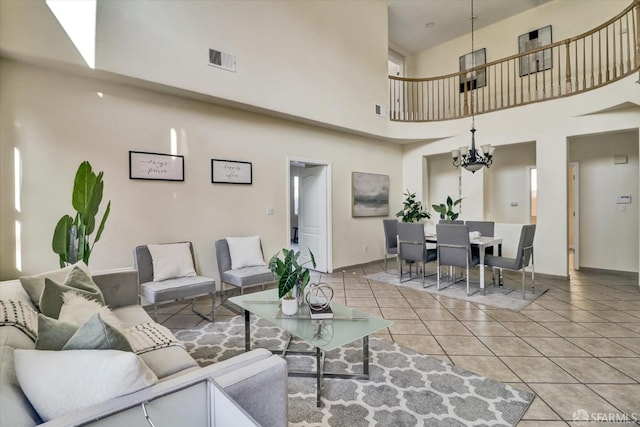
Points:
(523, 258)
(454, 250)
(390, 239)
(485, 228)
(451, 221)
(412, 247)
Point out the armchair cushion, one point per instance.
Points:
(248, 276)
(245, 252)
(171, 261)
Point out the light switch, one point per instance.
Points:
(624, 200)
(269, 211)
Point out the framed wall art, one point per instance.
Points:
(370, 194)
(231, 172)
(156, 166)
(473, 79)
(538, 61)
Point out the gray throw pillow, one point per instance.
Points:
(34, 285)
(96, 334)
(53, 334)
(78, 281)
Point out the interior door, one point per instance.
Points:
(312, 216)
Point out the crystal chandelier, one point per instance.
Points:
(473, 160)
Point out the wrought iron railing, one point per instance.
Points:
(603, 55)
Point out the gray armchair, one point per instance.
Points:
(390, 239)
(454, 249)
(240, 277)
(412, 247)
(174, 289)
(523, 258)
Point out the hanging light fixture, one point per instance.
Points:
(472, 159)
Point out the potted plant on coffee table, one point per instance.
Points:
(291, 276)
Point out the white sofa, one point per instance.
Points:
(257, 380)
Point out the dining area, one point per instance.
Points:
(457, 248)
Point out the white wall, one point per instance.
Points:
(567, 19)
(320, 60)
(57, 120)
(608, 231)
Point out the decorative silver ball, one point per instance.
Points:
(319, 295)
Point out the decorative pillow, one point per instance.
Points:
(61, 382)
(34, 285)
(96, 334)
(171, 260)
(77, 309)
(53, 334)
(245, 251)
(77, 281)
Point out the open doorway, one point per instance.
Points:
(309, 189)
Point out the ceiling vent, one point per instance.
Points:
(223, 60)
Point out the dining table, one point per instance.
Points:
(482, 243)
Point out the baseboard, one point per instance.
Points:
(629, 274)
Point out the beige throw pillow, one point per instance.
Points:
(171, 260)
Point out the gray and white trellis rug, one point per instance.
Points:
(405, 388)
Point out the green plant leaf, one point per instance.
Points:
(60, 241)
(83, 187)
(104, 220)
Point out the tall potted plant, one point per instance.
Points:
(72, 235)
(290, 275)
(446, 211)
(412, 209)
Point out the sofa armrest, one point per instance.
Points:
(120, 287)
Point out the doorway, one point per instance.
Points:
(309, 207)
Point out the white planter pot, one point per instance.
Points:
(289, 306)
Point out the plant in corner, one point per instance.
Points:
(290, 275)
(446, 210)
(412, 210)
(71, 237)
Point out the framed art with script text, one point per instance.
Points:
(231, 172)
(156, 166)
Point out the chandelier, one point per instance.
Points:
(472, 159)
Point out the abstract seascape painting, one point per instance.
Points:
(370, 194)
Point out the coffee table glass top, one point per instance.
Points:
(347, 325)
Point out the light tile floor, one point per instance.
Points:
(576, 347)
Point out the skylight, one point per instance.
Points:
(78, 19)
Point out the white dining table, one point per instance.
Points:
(481, 242)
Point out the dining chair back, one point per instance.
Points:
(412, 247)
(451, 221)
(485, 228)
(523, 259)
(454, 249)
(390, 239)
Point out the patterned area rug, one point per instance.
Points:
(404, 389)
(505, 297)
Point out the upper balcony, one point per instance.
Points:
(590, 60)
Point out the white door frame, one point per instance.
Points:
(576, 217)
(329, 235)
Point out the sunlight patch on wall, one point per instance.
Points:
(18, 226)
(17, 178)
(174, 142)
(78, 19)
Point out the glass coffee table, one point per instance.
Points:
(347, 325)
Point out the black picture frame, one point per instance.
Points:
(156, 166)
(231, 172)
(473, 79)
(538, 61)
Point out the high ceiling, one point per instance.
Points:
(416, 25)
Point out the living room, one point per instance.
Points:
(307, 77)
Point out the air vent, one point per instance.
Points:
(380, 110)
(223, 60)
